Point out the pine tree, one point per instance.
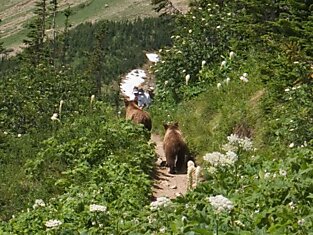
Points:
(65, 47)
(98, 57)
(35, 52)
(54, 9)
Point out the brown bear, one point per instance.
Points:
(137, 115)
(175, 149)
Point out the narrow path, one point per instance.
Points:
(165, 184)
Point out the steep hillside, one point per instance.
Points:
(16, 14)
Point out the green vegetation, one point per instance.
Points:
(238, 79)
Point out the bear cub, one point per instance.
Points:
(175, 149)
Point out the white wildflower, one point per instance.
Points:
(229, 13)
(190, 31)
(53, 223)
(245, 75)
(165, 82)
(233, 139)
(301, 222)
(187, 78)
(227, 80)
(197, 174)
(203, 63)
(231, 157)
(190, 171)
(245, 143)
(92, 98)
(54, 117)
(267, 175)
(223, 64)
(160, 202)
(162, 229)
(282, 172)
(19, 135)
(5, 133)
(94, 207)
(292, 205)
(287, 89)
(39, 203)
(291, 145)
(218, 27)
(231, 55)
(244, 79)
(219, 85)
(211, 170)
(239, 223)
(296, 62)
(221, 203)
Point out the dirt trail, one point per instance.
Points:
(165, 184)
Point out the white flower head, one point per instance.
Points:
(231, 55)
(19, 135)
(244, 79)
(187, 78)
(221, 203)
(203, 63)
(287, 89)
(219, 85)
(223, 64)
(292, 205)
(166, 82)
(198, 174)
(190, 31)
(291, 145)
(218, 27)
(245, 75)
(54, 117)
(301, 222)
(92, 98)
(282, 172)
(160, 202)
(227, 80)
(53, 223)
(94, 207)
(39, 203)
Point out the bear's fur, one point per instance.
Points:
(137, 115)
(175, 149)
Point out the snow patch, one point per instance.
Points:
(132, 79)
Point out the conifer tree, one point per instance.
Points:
(35, 52)
(65, 47)
(54, 9)
(97, 58)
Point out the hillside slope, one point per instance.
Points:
(15, 15)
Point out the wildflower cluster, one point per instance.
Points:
(235, 142)
(221, 203)
(218, 159)
(94, 207)
(160, 202)
(53, 223)
(39, 203)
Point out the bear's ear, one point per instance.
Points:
(165, 126)
(176, 124)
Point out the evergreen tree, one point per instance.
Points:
(35, 52)
(54, 9)
(65, 41)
